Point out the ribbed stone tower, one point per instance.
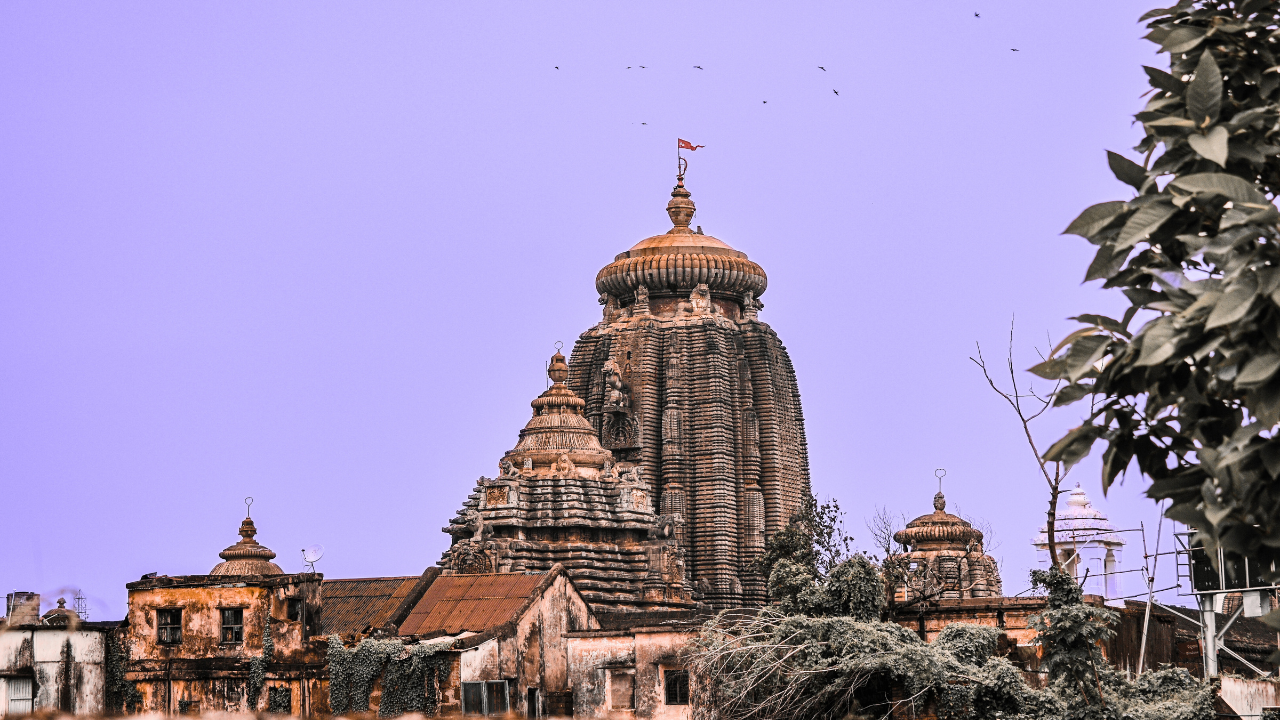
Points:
(668, 448)
(683, 379)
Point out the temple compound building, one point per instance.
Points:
(1089, 547)
(670, 445)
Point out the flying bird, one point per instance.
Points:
(766, 102)
(698, 66)
(836, 92)
(976, 15)
(642, 67)
(822, 68)
(1014, 49)
(557, 67)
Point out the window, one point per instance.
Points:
(675, 684)
(232, 626)
(294, 611)
(622, 690)
(20, 696)
(484, 698)
(280, 701)
(169, 626)
(533, 709)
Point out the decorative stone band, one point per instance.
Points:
(680, 273)
(939, 527)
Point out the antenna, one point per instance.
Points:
(81, 605)
(311, 554)
(248, 503)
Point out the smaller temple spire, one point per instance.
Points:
(247, 557)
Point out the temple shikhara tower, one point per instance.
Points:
(670, 445)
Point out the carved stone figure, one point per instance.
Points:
(564, 468)
(642, 301)
(616, 396)
(507, 469)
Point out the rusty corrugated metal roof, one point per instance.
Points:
(475, 603)
(352, 605)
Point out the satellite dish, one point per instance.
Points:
(311, 554)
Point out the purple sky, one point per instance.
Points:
(319, 253)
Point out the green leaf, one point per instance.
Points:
(1116, 458)
(1069, 394)
(1141, 224)
(1235, 303)
(1170, 121)
(1182, 39)
(1159, 340)
(1083, 354)
(1204, 93)
(1258, 370)
(1232, 187)
(1164, 81)
(1074, 446)
(1102, 321)
(1095, 218)
(1106, 263)
(1051, 369)
(1212, 146)
(1126, 170)
(1158, 12)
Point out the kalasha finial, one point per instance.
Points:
(680, 209)
(557, 370)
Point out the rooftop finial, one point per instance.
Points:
(557, 369)
(940, 500)
(248, 503)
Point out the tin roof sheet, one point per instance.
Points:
(470, 603)
(351, 605)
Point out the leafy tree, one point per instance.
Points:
(1194, 394)
(1070, 633)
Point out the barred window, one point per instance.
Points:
(232, 626)
(169, 626)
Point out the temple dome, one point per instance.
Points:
(247, 557)
(680, 259)
(1079, 518)
(938, 530)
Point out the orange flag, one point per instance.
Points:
(686, 145)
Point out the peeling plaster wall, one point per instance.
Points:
(201, 670)
(592, 655)
(66, 666)
(535, 654)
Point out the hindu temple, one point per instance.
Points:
(670, 445)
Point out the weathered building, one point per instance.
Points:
(669, 448)
(232, 640)
(511, 630)
(51, 662)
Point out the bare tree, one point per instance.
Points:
(1028, 406)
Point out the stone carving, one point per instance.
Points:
(611, 310)
(641, 306)
(507, 469)
(470, 558)
(564, 468)
(700, 299)
(750, 306)
(616, 398)
(528, 466)
(619, 430)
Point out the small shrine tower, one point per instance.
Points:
(1087, 545)
(943, 558)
